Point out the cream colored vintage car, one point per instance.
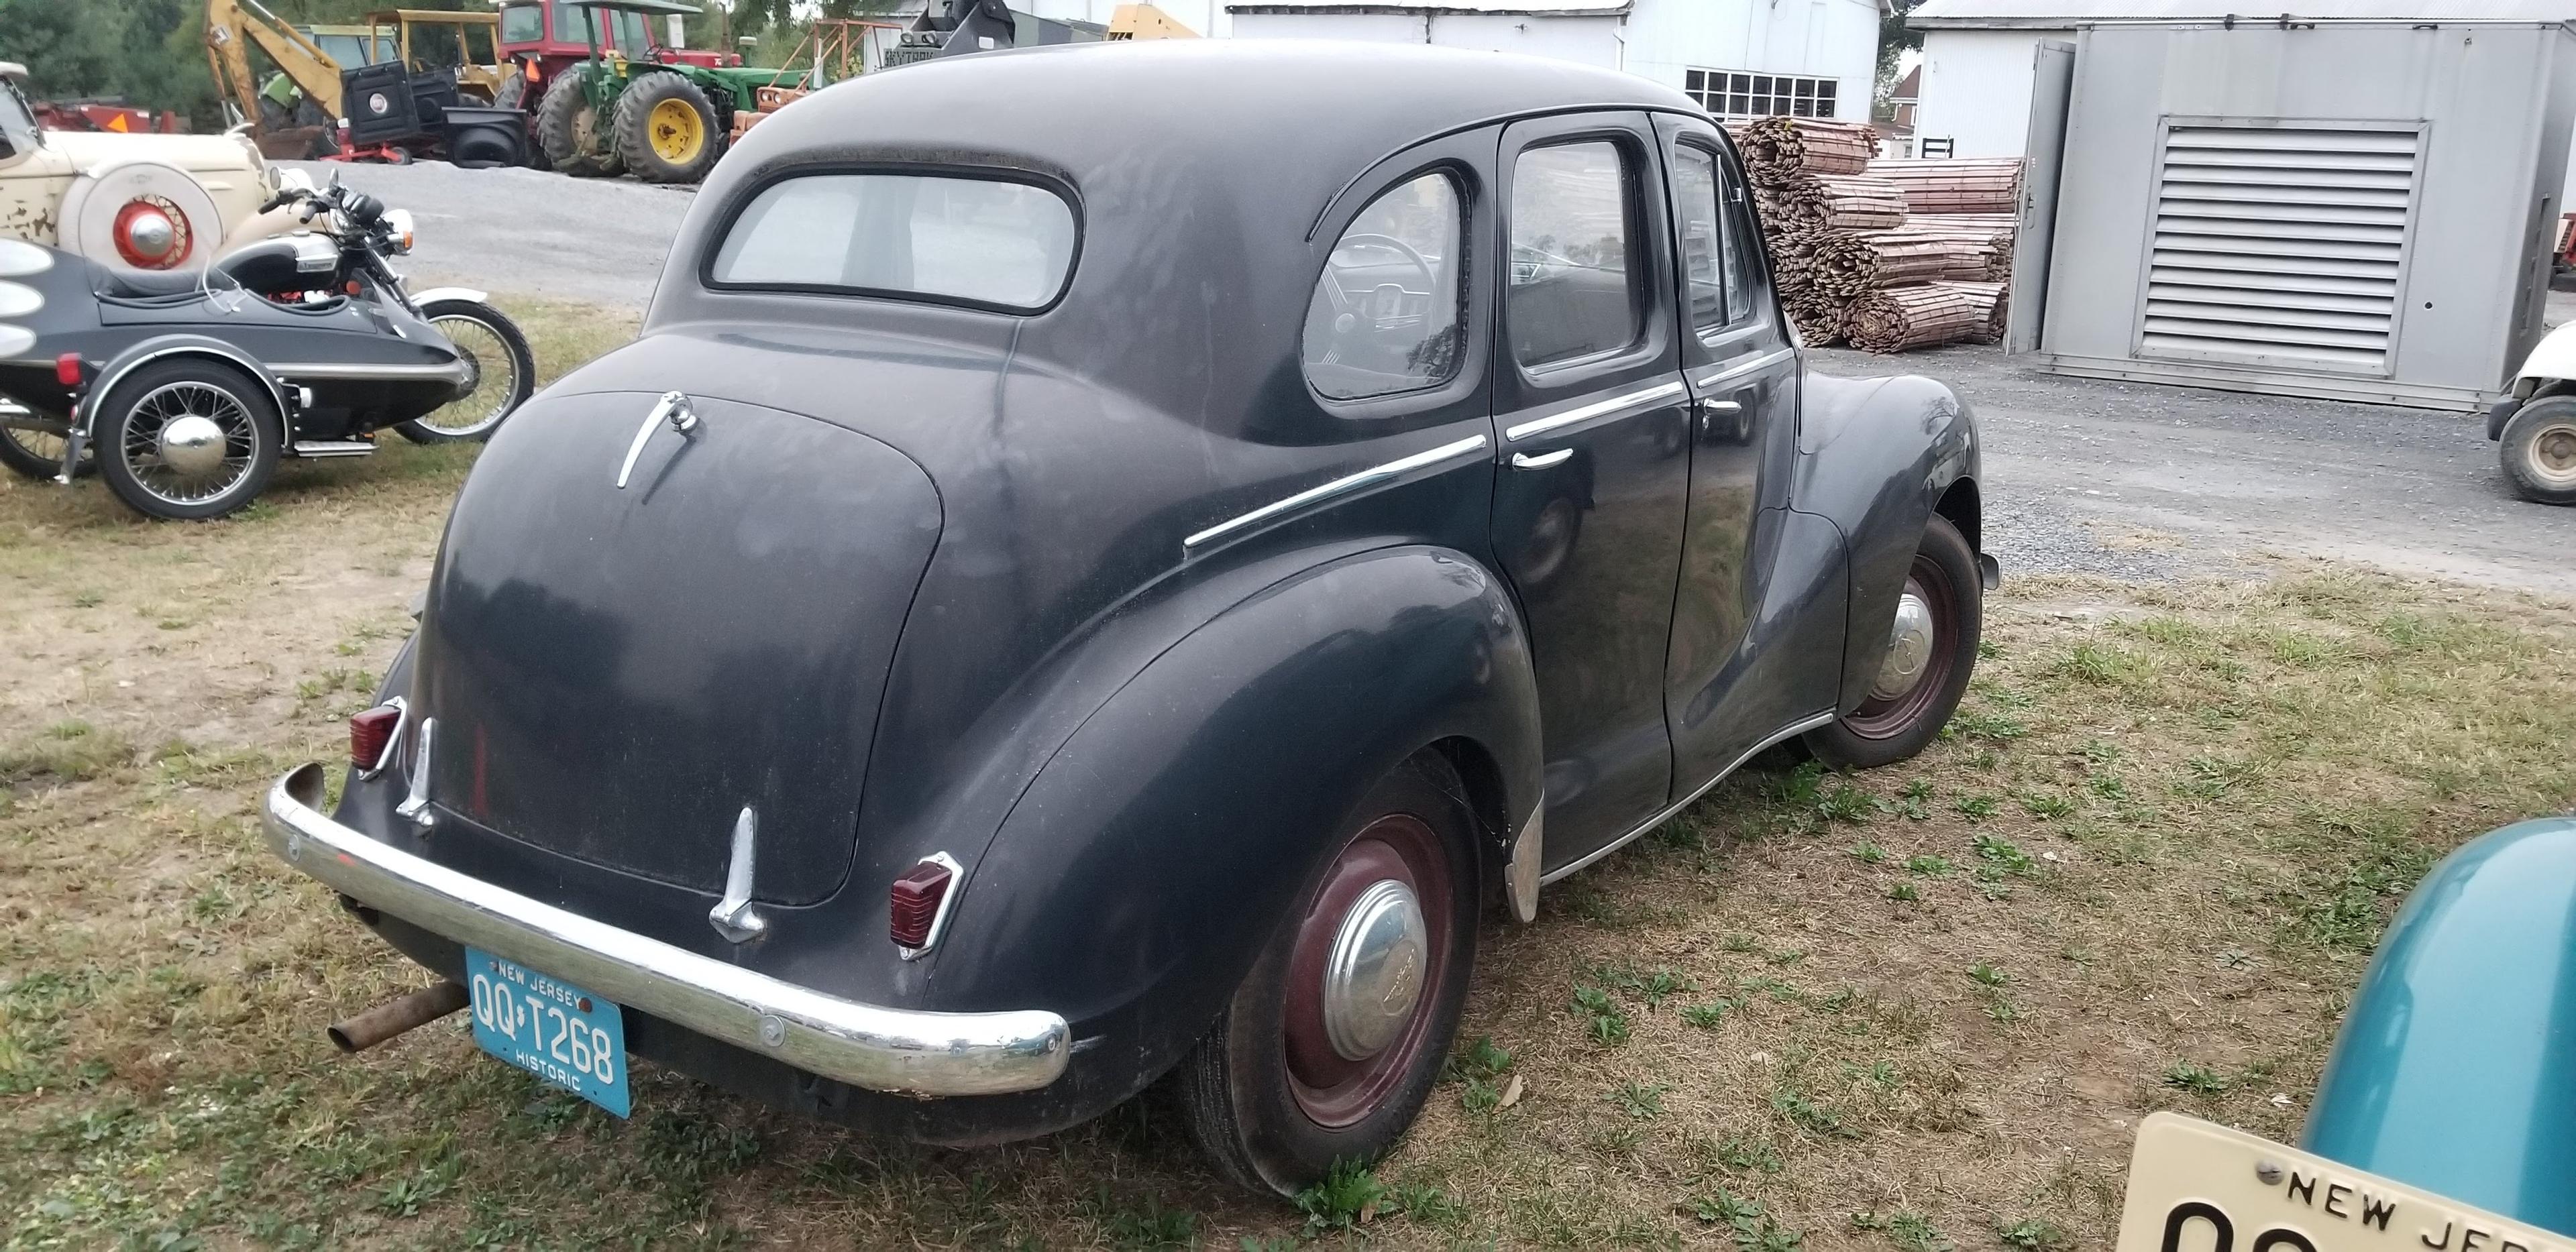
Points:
(152, 202)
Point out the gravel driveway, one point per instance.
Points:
(2127, 480)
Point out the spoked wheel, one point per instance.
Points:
(1330, 1046)
(36, 452)
(187, 440)
(2539, 450)
(503, 373)
(1931, 652)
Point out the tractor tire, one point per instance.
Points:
(666, 129)
(513, 91)
(569, 129)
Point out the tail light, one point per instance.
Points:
(920, 904)
(67, 369)
(372, 735)
(151, 233)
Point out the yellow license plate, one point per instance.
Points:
(2197, 1187)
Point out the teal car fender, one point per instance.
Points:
(2456, 1069)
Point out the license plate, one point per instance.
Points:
(550, 1028)
(2194, 1186)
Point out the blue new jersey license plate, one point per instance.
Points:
(550, 1028)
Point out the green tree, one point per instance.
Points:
(1895, 39)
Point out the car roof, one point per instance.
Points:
(1199, 167)
(1377, 94)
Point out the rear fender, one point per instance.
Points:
(164, 347)
(423, 299)
(1875, 457)
(1151, 857)
(2457, 1062)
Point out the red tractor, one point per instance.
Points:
(542, 38)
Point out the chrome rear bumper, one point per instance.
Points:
(881, 1049)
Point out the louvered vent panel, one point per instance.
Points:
(2280, 242)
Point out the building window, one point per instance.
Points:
(1732, 93)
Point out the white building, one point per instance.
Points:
(1739, 58)
(1977, 53)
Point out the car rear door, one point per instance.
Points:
(1594, 459)
(1743, 375)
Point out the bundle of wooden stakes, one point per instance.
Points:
(1885, 255)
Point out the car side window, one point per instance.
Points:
(1715, 267)
(1386, 313)
(1573, 293)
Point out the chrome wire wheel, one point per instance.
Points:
(492, 379)
(500, 373)
(186, 443)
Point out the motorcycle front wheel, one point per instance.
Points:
(504, 373)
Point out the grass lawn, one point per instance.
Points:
(1916, 1009)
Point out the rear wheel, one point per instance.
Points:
(1330, 1046)
(187, 439)
(1932, 650)
(504, 373)
(2539, 450)
(666, 129)
(33, 451)
(570, 130)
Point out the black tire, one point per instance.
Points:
(513, 91)
(128, 420)
(570, 131)
(2538, 448)
(484, 327)
(640, 142)
(1248, 1091)
(25, 453)
(1889, 728)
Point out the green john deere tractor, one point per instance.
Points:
(664, 121)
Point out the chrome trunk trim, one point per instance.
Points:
(734, 916)
(881, 1049)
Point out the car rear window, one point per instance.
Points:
(981, 241)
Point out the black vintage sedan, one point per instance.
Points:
(1104, 564)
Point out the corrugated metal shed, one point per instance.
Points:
(2068, 14)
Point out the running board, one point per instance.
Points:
(333, 447)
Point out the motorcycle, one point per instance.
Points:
(192, 386)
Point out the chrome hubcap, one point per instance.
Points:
(1909, 649)
(1374, 975)
(192, 445)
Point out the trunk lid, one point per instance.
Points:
(618, 673)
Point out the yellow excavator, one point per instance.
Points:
(291, 124)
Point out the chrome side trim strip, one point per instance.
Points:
(1795, 728)
(337, 371)
(1370, 477)
(914, 1051)
(1615, 405)
(1757, 364)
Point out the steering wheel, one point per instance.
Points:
(1342, 299)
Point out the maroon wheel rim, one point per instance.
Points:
(1330, 1089)
(1886, 718)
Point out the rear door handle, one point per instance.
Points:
(1523, 460)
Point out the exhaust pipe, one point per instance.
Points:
(395, 1016)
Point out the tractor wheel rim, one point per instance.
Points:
(675, 132)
